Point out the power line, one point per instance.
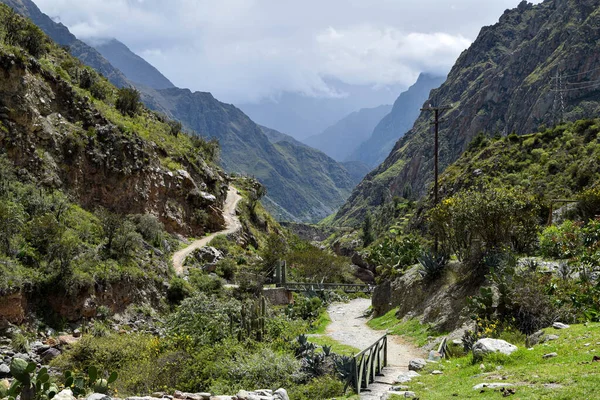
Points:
(578, 74)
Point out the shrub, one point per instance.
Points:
(589, 203)
(128, 101)
(562, 241)
(324, 387)
(205, 283)
(175, 127)
(178, 290)
(226, 268)
(475, 222)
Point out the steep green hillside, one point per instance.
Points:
(245, 149)
(503, 83)
(135, 68)
(61, 35)
(341, 140)
(556, 163)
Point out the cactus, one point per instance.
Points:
(27, 385)
(253, 320)
(82, 385)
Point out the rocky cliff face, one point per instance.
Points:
(505, 82)
(58, 138)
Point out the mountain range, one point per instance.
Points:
(245, 149)
(505, 82)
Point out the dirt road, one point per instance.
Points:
(232, 225)
(349, 326)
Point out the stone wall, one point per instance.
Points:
(278, 296)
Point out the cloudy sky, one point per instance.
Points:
(245, 50)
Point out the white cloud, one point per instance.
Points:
(244, 50)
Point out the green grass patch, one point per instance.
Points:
(336, 347)
(321, 323)
(412, 329)
(570, 375)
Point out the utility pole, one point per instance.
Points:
(436, 147)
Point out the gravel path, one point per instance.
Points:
(232, 225)
(349, 326)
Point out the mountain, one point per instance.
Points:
(302, 183)
(135, 68)
(401, 118)
(303, 115)
(245, 149)
(505, 82)
(61, 35)
(341, 139)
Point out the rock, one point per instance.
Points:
(492, 385)
(40, 350)
(535, 338)
(158, 395)
(98, 396)
(399, 388)
(66, 340)
(50, 354)
(437, 372)
(4, 371)
(5, 384)
(560, 325)
(22, 356)
(65, 394)
(552, 337)
(363, 274)
(417, 364)
(405, 394)
(76, 333)
(406, 376)
(487, 346)
(138, 398)
(280, 394)
(242, 395)
(434, 356)
(264, 392)
(550, 355)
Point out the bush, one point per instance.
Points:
(324, 387)
(226, 268)
(205, 283)
(589, 203)
(178, 290)
(475, 222)
(562, 241)
(128, 101)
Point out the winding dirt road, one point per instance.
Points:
(232, 225)
(349, 326)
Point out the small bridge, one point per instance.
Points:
(368, 364)
(307, 287)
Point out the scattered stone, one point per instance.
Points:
(158, 395)
(406, 376)
(66, 340)
(437, 372)
(98, 396)
(242, 395)
(487, 346)
(535, 338)
(587, 345)
(552, 337)
(495, 385)
(65, 394)
(405, 394)
(280, 394)
(4, 371)
(560, 325)
(434, 356)
(399, 388)
(417, 364)
(76, 333)
(482, 367)
(139, 398)
(596, 359)
(50, 354)
(550, 355)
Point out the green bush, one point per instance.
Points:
(589, 203)
(324, 387)
(178, 290)
(128, 101)
(205, 283)
(562, 241)
(477, 222)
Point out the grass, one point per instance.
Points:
(571, 375)
(336, 347)
(321, 323)
(412, 329)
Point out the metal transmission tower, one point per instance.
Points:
(436, 123)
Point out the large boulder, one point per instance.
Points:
(280, 394)
(488, 346)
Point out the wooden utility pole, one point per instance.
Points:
(436, 147)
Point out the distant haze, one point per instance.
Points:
(247, 50)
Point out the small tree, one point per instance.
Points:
(175, 127)
(128, 101)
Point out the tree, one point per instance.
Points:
(274, 251)
(175, 127)
(128, 101)
(11, 219)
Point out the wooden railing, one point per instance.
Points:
(369, 363)
(319, 287)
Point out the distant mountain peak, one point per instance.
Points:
(135, 68)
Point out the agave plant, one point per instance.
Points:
(432, 265)
(344, 367)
